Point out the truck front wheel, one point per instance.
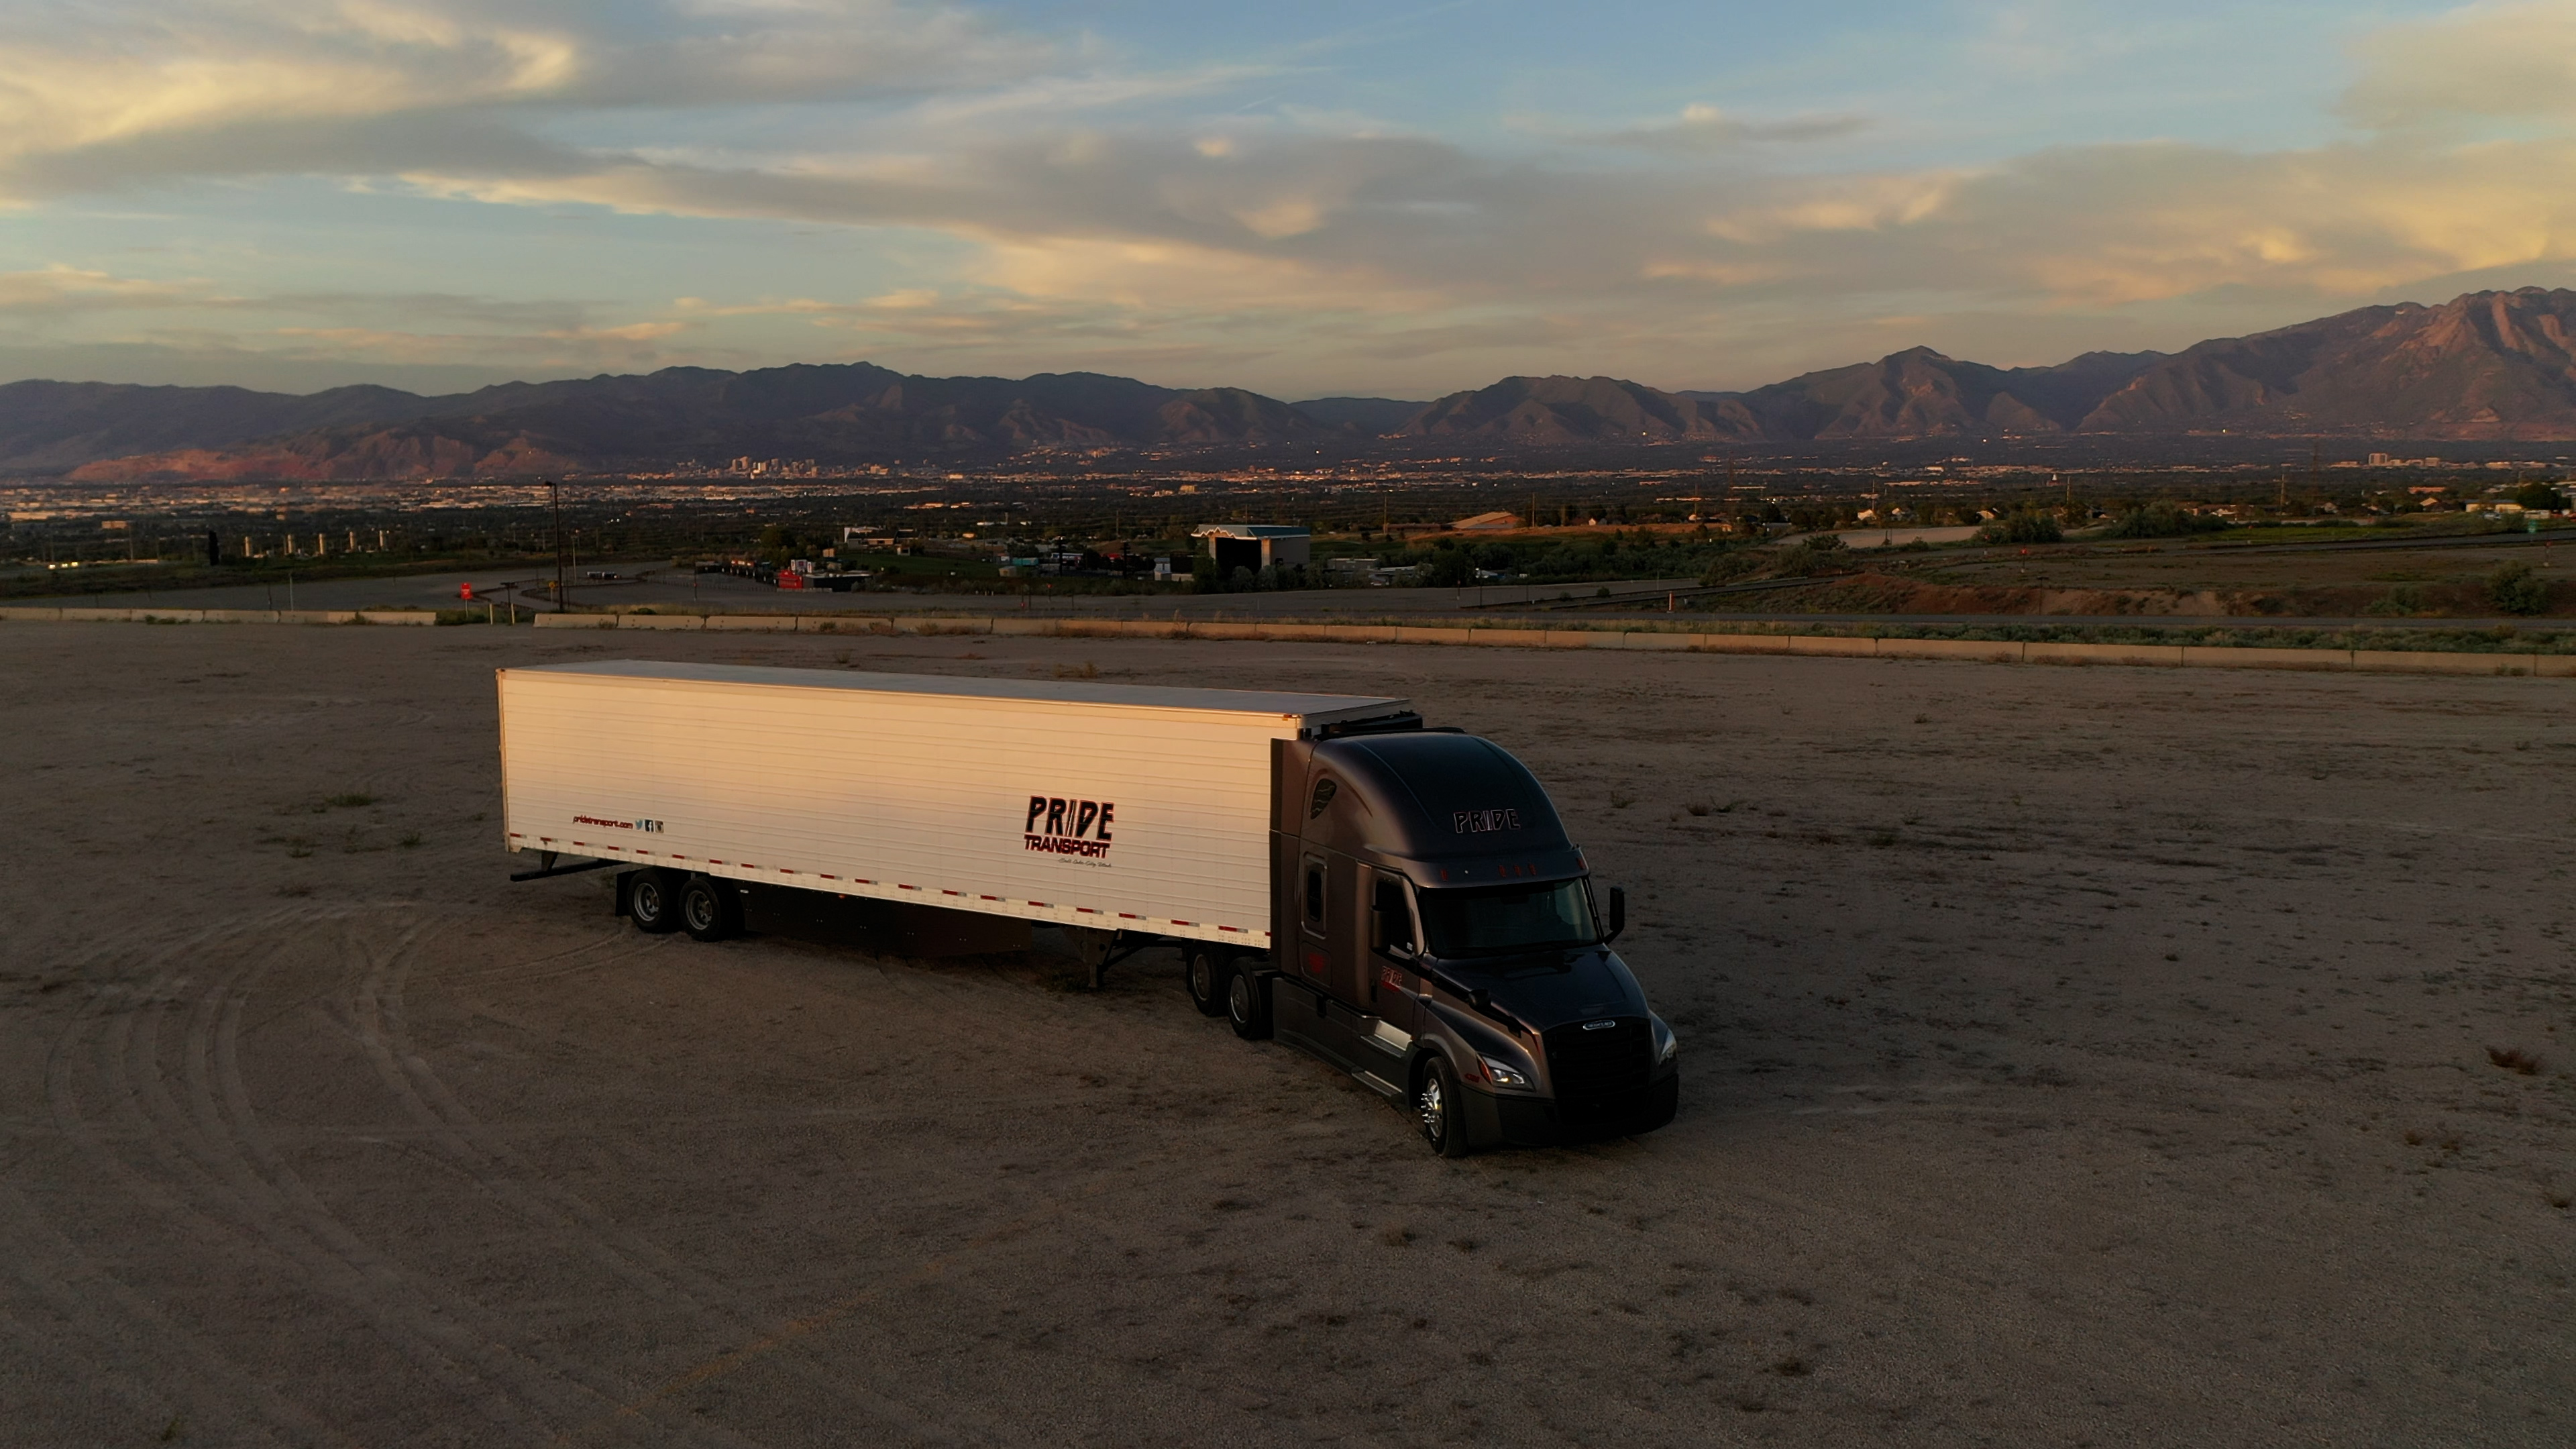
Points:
(1247, 1002)
(650, 902)
(1204, 974)
(706, 911)
(1438, 1110)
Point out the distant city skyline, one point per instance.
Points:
(1309, 200)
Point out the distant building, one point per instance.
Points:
(1256, 546)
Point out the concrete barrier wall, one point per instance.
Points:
(84, 615)
(2162, 656)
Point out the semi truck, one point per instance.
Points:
(1397, 899)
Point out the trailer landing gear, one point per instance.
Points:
(1100, 950)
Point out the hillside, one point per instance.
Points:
(835, 414)
(2488, 365)
(2485, 365)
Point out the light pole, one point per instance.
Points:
(554, 502)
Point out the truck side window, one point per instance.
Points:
(1315, 893)
(1395, 917)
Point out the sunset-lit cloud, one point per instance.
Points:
(961, 188)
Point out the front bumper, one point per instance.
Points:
(1513, 1120)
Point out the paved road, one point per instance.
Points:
(1493, 604)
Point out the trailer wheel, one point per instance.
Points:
(1436, 1108)
(706, 909)
(651, 903)
(1204, 975)
(1247, 1002)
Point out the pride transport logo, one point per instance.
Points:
(1069, 827)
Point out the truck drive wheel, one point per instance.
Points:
(651, 902)
(1247, 1002)
(706, 909)
(1204, 973)
(1436, 1108)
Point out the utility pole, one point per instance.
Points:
(554, 501)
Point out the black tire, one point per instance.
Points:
(1664, 1104)
(1203, 975)
(1438, 1107)
(706, 909)
(1247, 1002)
(652, 901)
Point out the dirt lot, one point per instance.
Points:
(2073, 1057)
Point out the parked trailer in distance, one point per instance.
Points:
(1399, 901)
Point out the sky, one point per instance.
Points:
(1325, 198)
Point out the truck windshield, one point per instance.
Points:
(1498, 919)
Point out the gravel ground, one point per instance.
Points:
(2072, 1057)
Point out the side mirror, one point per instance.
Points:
(1618, 913)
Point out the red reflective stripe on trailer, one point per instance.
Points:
(1086, 910)
(861, 880)
(827, 875)
(514, 835)
(902, 887)
(990, 898)
(782, 870)
(1238, 930)
(1129, 916)
(1184, 923)
(947, 892)
(1041, 905)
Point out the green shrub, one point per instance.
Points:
(2517, 590)
(2540, 496)
(1815, 554)
(2023, 525)
(2164, 520)
(1449, 568)
(1728, 566)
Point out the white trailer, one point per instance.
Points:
(1119, 808)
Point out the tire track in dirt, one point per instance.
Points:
(584, 957)
(378, 1011)
(98, 1304)
(214, 1175)
(527, 1388)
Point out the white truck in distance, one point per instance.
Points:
(1400, 901)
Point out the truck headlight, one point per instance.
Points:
(1505, 1074)
(1667, 1045)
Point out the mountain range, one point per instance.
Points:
(2487, 365)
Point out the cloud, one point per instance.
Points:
(94, 95)
(1078, 211)
(1702, 128)
(74, 312)
(60, 291)
(2490, 61)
